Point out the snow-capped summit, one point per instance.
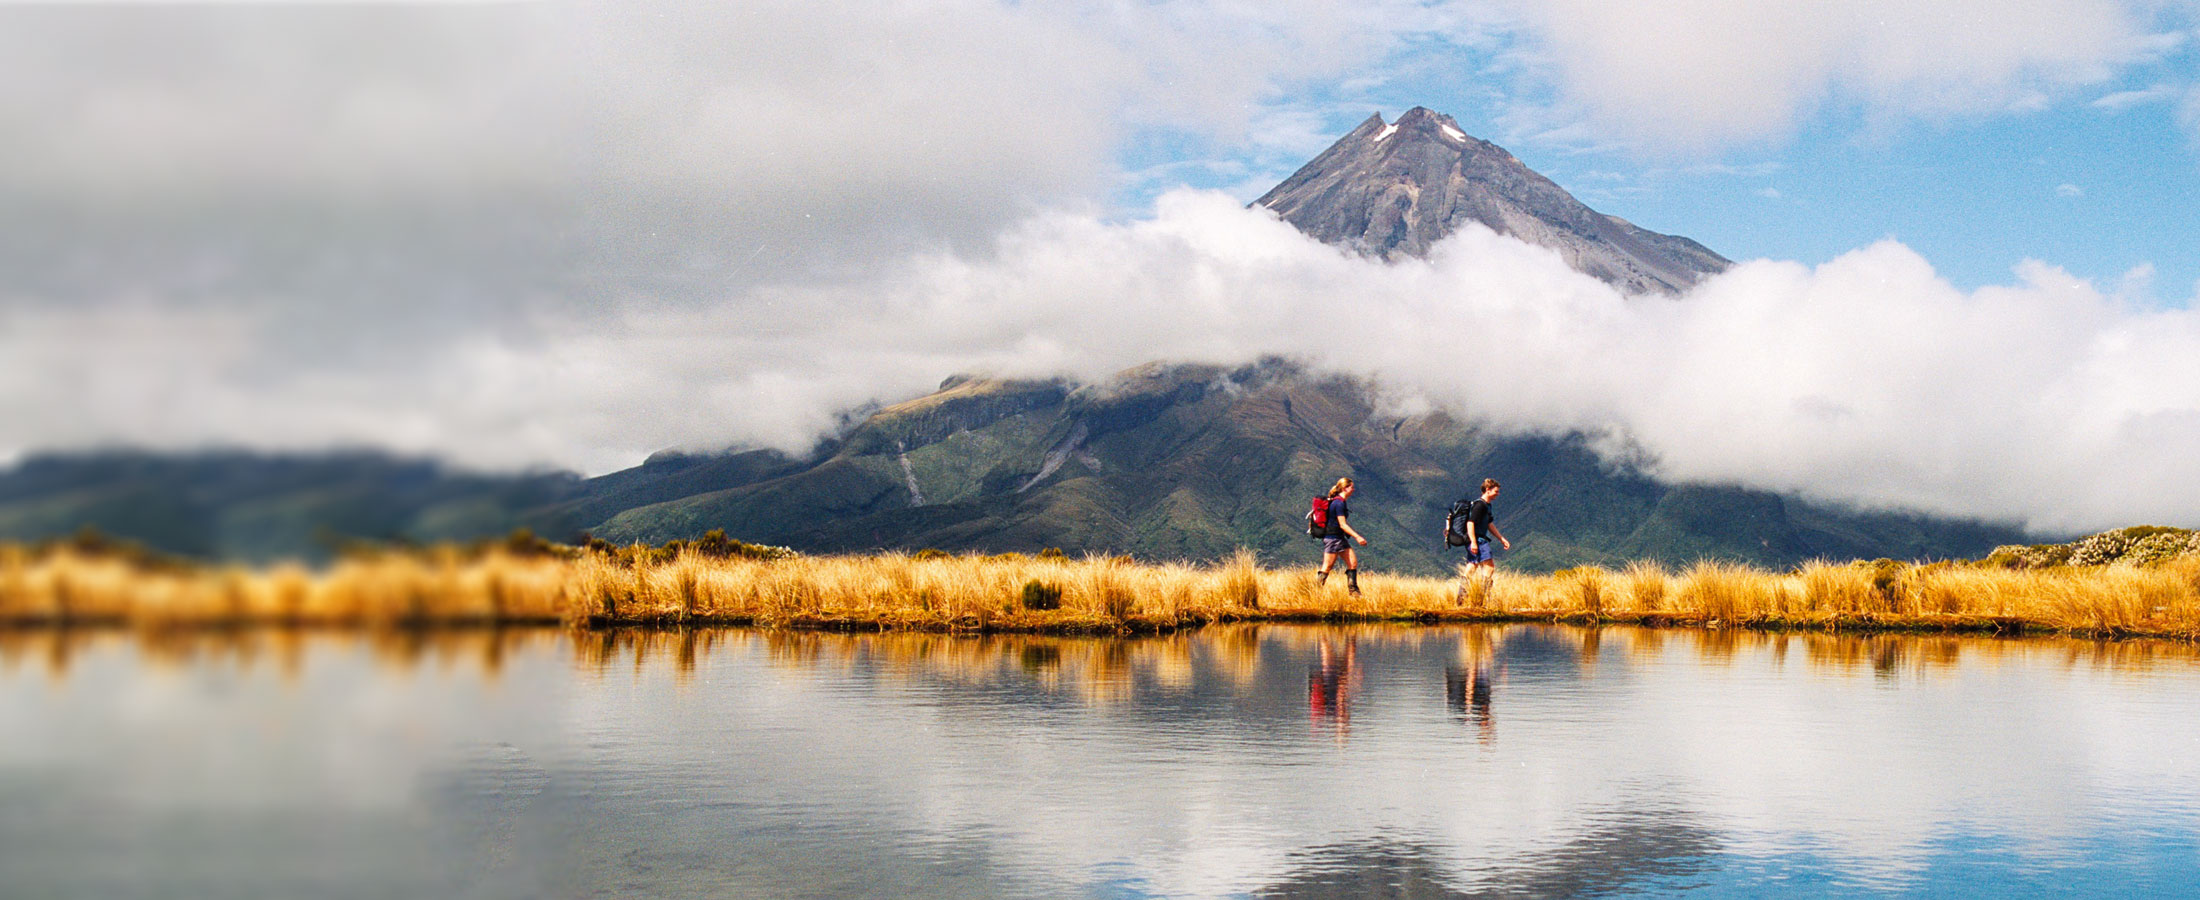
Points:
(1396, 189)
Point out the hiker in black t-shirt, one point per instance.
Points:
(1479, 529)
(1333, 538)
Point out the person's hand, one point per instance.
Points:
(1363, 542)
(1507, 544)
(1474, 546)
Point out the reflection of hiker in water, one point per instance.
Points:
(1334, 532)
(1468, 688)
(1329, 685)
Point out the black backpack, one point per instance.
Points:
(1455, 523)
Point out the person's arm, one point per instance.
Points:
(1344, 524)
(1472, 538)
(1500, 536)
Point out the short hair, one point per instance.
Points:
(1339, 487)
(1487, 484)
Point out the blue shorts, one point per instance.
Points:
(1336, 544)
(1482, 552)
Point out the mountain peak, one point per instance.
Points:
(1396, 189)
(1426, 121)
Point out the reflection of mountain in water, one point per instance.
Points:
(1621, 853)
(663, 762)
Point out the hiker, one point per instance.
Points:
(1471, 519)
(1334, 543)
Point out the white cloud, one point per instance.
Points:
(1769, 193)
(376, 185)
(677, 95)
(2069, 191)
(807, 128)
(1692, 74)
(765, 135)
(1867, 379)
(696, 96)
(2122, 100)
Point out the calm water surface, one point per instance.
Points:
(1236, 762)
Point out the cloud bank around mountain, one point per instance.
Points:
(572, 233)
(1867, 379)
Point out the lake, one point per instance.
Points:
(1242, 761)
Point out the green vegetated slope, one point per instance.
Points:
(1161, 462)
(256, 507)
(1192, 462)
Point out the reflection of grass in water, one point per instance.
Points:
(1094, 670)
(63, 585)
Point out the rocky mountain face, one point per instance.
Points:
(1396, 189)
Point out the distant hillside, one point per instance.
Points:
(1162, 462)
(1192, 462)
(252, 506)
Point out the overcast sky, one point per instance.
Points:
(570, 234)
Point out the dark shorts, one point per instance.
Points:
(1482, 552)
(1337, 544)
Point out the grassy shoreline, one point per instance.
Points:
(63, 586)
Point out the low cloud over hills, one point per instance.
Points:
(1161, 461)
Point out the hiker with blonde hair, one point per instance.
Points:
(1335, 531)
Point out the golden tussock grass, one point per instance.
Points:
(1012, 592)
